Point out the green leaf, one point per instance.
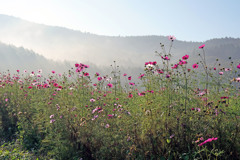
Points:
(168, 140)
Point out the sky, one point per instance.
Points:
(188, 20)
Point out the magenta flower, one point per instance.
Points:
(175, 66)
(132, 84)
(202, 46)
(238, 66)
(110, 116)
(182, 62)
(141, 76)
(76, 65)
(125, 74)
(55, 84)
(130, 78)
(99, 78)
(86, 74)
(185, 57)
(97, 74)
(109, 85)
(166, 58)
(195, 66)
(53, 72)
(130, 95)
(208, 140)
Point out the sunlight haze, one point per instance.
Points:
(187, 20)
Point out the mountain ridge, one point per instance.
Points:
(59, 43)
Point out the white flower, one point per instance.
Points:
(149, 66)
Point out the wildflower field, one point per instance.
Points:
(179, 110)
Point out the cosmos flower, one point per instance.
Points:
(185, 57)
(76, 65)
(238, 66)
(99, 78)
(171, 38)
(195, 66)
(202, 46)
(109, 85)
(92, 100)
(208, 140)
(141, 76)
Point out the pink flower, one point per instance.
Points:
(97, 74)
(107, 126)
(171, 38)
(175, 66)
(30, 87)
(220, 73)
(185, 57)
(99, 78)
(18, 71)
(208, 140)
(130, 95)
(124, 74)
(86, 74)
(238, 66)
(92, 100)
(141, 76)
(52, 120)
(166, 58)
(182, 62)
(55, 84)
(110, 116)
(109, 85)
(202, 46)
(195, 66)
(76, 65)
(130, 78)
(53, 72)
(132, 84)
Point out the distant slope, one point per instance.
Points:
(13, 58)
(64, 44)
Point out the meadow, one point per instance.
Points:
(179, 110)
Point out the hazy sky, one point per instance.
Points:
(189, 20)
